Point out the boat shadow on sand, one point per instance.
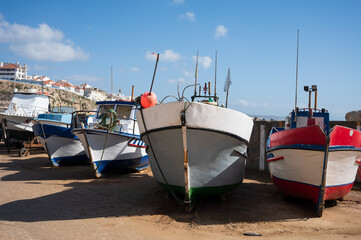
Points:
(73, 193)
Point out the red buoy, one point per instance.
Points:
(148, 100)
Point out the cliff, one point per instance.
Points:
(59, 97)
(353, 116)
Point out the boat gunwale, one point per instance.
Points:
(122, 134)
(195, 128)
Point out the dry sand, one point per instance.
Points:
(38, 201)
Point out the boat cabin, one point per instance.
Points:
(305, 117)
(124, 112)
(28, 103)
(309, 116)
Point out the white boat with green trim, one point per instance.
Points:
(196, 149)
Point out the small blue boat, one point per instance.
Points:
(53, 131)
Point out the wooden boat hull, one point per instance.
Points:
(111, 152)
(215, 165)
(343, 161)
(215, 152)
(304, 165)
(60, 144)
(18, 127)
(299, 173)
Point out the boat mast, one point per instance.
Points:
(155, 70)
(195, 84)
(298, 34)
(215, 80)
(111, 82)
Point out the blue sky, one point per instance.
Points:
(81, 40)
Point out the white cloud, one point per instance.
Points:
(249, 104)
(39, 67)
(205, 62)
(170, 56)
(188, 73)
(41, 43)
(246, 103)
(180, 80)
(134, 69)
(189, 16)
(178, 1)
(221, 31)
(150, 56)
(167, 56)
(83, 78)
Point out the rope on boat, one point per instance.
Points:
(101, 158)
(109, 126)
(185, 156)
(321, 196)
(179, 201)
(45, 141)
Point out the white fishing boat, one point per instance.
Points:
(113, 144)
(24, 106)
(308, 160)
(53, 131)
(196, 149)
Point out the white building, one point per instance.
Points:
(13, 71)
(38, 78)
(95, 94)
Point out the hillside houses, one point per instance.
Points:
(16, 72)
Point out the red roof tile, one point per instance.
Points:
(10, 66)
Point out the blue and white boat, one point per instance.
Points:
(113, 143)
(53, 131)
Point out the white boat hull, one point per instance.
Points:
(341, 173)
(63, 150)
(60, 144)
(217, 140)
(18, 122)
(305, 163)
(111, 152)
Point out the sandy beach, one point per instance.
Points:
(38, 201)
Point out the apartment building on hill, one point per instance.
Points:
(13, 71)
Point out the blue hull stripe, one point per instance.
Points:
(299, 146)
(52, 130)
(344, 148)
(101, 132)
(107, 166)
(70, 160)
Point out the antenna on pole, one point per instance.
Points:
(215, 79)
(195, 77)
(111, 82)
(298, 36)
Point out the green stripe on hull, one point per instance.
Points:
(198, 192)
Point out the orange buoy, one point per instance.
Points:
(148, 100)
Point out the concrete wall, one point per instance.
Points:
(261, 129)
